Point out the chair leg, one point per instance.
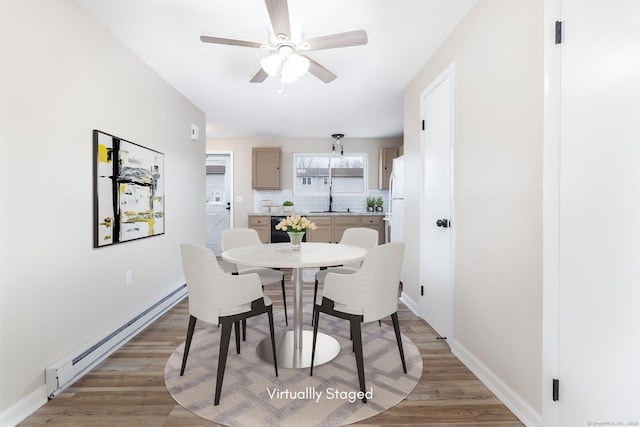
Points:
(396, 328)
(315, 295)
(314, 322)
(284, 301)
(187, 344)
(244, 329)
(273, 338)
(222, 357)
(236, 325)
(357, 343)
(313, 313)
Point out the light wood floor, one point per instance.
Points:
(128, 388)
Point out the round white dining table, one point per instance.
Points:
(293, 347)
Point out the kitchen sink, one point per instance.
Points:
(347, 211)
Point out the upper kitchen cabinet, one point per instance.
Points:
(266, 168)
(385, 163)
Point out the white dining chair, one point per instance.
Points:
(221, 299)
(238, 237)
(357, 236)
(369, 294)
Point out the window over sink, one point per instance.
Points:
(317, 174)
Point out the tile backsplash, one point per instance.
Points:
(315, 203)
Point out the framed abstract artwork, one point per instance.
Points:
(128, 190)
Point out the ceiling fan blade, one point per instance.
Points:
(350, 38)
(233, 42)
(260, 76)
(320, 71)
(279, 15)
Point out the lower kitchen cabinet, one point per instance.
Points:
(377, 223)
(324, 231)
(331, 228)
(262, 224)
(341, 223)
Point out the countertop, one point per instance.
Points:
(334, 213)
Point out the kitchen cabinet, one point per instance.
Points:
(330, 228)
(324, 231)
(262, 224)
(266, 165)
(341, 223)
(375, 222)
(385, 164)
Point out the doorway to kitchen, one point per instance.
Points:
(219, 194)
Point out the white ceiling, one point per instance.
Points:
(365, 101)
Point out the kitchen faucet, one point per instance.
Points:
(337, 137)
(330, 192)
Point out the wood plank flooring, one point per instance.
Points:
(128, 388)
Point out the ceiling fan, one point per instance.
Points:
(289, 60)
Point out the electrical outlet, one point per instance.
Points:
(128, 278)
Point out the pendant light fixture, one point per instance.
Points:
(338, 137)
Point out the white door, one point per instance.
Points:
(218, 198)
(599, 245)
(436, 233)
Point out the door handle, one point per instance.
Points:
(228, 206)
(444, 223)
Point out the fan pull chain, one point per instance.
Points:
(283, 88)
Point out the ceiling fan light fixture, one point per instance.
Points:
(271, 64)
(295, 65)
(289, 66)
(286, 39)
(287, 78)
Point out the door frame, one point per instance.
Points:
(448, 73)
(550, 214)
(230, 154)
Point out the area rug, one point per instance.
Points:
(253, 396)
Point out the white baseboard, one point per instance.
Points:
(411, 304)
(19, 411)
(16, 413)
(511, 399)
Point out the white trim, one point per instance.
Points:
(410, 304)
(507, 396)
(20, 410)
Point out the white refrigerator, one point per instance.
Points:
(394, 217)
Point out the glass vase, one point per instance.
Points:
(296, 239)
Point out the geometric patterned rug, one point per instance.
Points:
(253, 396)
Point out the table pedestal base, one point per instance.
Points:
(327, 348)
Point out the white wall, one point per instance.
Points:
(62, 76)
(241, 148)
(498, 54)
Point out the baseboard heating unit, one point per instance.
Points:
(71, 368)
